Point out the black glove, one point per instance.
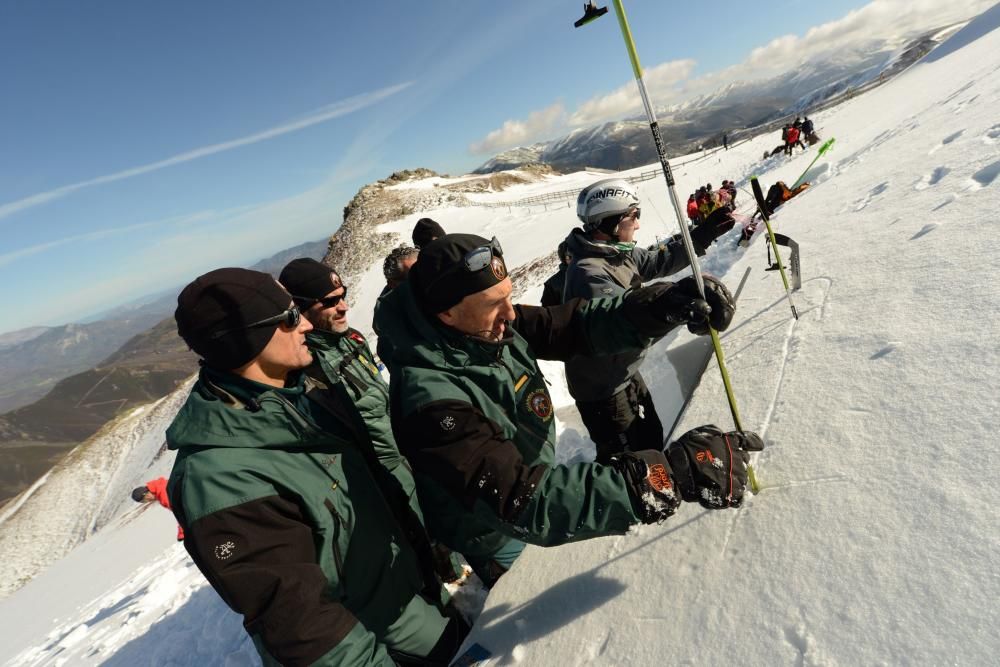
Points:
(650, 484)
(710, 467)
(718, 223)
(721, 305)
(657, 309)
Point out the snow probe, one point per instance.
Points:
(758, 194)
(678, 211)
(822, 149)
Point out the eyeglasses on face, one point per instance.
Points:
(288, 319)
(306, 302)
(632, 213)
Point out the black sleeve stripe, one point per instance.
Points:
(261, 558)
(466, 453)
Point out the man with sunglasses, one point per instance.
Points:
(612, 397)
(285, 506)
(472, 414)
(342, 358)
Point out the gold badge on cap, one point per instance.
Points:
(498, 267)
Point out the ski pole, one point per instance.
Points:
(822, 149)
(758, 195)
(685, 234)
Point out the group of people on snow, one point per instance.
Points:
(320, 502)
(704, 201)
(795, 134)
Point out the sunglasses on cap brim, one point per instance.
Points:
(288, 319)
(475, 260)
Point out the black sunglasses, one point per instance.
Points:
(308, 302)
(289, 319)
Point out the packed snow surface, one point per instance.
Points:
(875, 537)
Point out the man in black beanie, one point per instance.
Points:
(285, 506)
(472, 413)
(425, 231)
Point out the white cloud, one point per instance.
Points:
(519, 133)
(660, 82)
(667, 83)
(329, 112)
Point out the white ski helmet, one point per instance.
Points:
(603, 199)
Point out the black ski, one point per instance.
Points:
(704, 365)
(762, 208)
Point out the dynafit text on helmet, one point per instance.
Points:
(592, 13)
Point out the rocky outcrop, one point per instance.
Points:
(357, 244)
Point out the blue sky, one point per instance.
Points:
(145, 143)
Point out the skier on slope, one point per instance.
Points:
(472, 414)
(155, 489)
(611, 395)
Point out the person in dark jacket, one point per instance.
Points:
(612, 397)
(809, 131)
(552, 291)
(397, 265)
(341, 356)
(155, 489)
(425, 231)
(472, 414)
(286, 507)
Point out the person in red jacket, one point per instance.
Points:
(793, 140)
(155, 489)
(692, 209)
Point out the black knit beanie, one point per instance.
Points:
(426, 231)
(229, 299)
(138, 493)
(308, 279)
(439, 278)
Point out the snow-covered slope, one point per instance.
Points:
(876, 537)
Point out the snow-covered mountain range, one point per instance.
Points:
(875, 537)
(740, 107)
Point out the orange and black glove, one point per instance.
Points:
(710, 467)
(650, 484)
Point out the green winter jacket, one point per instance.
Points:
(346, 359)
(476, 423)
(293, 521)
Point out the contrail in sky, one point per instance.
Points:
(330, 112)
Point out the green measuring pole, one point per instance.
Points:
(681, 219)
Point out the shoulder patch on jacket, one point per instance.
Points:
(357, 337)
(539, 403)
